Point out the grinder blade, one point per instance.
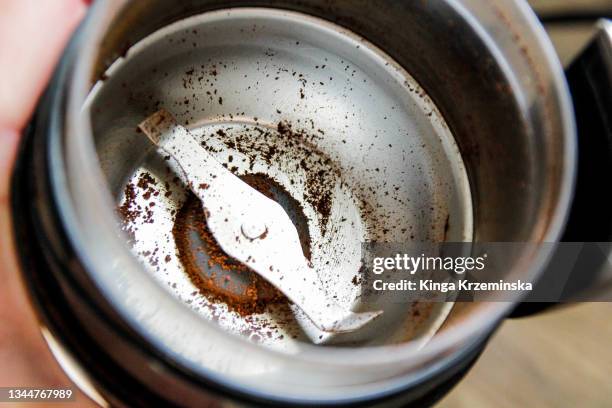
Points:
(250, 227)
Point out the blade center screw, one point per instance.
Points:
(254, 230)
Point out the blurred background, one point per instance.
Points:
(561, 358)
(570, 22)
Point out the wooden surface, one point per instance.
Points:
(568, 5)
(570, 39)
(558, 359)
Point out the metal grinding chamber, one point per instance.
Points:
(308, 113)
(294, 99)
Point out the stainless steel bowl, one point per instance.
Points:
(450, 118)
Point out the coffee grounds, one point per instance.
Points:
(130, 210)
(319, 174)
(127, 211)
(249, 300)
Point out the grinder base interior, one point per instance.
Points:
(340, 134)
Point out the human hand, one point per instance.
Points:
(33, 34)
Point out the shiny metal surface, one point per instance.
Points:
(497, 85)
(605, 40)
(394, 172)
(253, 229)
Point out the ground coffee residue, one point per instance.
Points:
(130, 210)
(218, 284)
(319, 170)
